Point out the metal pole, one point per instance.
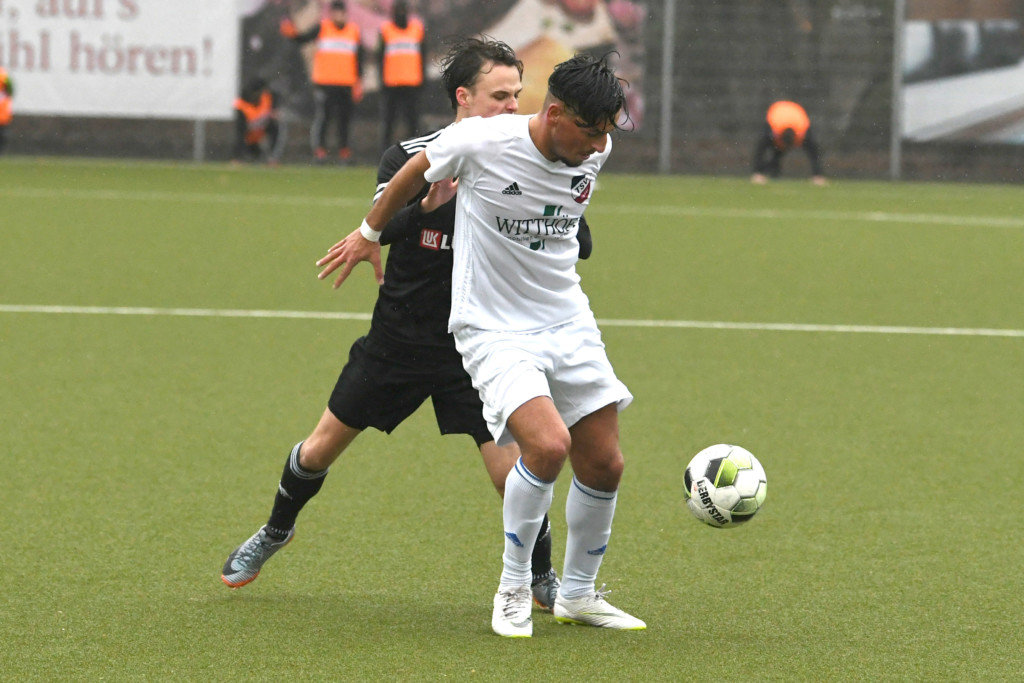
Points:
(896, 135)
(668, 47)
(199, 141)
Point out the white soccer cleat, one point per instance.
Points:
(594, 610)
(511, 617)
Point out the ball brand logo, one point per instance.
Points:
(580, 188)
(705, 499)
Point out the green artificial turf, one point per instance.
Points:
(141, 447)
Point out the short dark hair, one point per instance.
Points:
(337, 4)
(589, 87)
(466, 60)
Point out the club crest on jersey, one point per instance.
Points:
(580, 188)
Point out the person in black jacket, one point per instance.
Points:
(408, 354)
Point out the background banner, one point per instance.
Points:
(122, 58)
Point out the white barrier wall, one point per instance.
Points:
(123, 58)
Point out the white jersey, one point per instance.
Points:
(516, 219)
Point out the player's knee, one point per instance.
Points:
(614, 465)
(601, 470)
(551, 447)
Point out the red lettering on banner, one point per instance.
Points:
(25, 52)
(112, 55)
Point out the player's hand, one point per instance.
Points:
(288, 29)
(347, 253)
(819, 180)
(439, 194)
(759, 179)
(357, 92)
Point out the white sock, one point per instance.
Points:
(588, 518)
(527, 499)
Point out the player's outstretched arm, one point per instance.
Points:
(356, 246)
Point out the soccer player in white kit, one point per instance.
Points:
(524, 326)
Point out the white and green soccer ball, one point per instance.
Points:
(724, 485)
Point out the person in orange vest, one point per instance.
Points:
(6, 111)
(257, 131)
(786, 126)
(337, 76)
(401, 59)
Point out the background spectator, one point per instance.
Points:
(787, 125)
(402, 58)
(258, 133)
(337, 76)
(6, 111)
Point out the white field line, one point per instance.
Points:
(606, 322)
(183, 312)
(778, 214)
(631, 209)
(179, 197)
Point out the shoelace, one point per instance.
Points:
(601, 592)
(510, 607)
(255, 548)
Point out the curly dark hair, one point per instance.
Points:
(467, 58)
(589, 87)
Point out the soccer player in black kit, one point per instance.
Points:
(408, 354)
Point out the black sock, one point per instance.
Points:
(541, 559)
(297, 486)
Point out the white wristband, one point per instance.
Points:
(369, 233)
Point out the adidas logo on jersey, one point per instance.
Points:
(512, 189)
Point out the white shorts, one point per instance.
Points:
(568, 364)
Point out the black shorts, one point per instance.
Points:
(374, 391)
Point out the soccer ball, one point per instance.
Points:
(724, 485)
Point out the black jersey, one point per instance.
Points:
(415, 300)
(410, 318)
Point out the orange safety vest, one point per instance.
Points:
(6, 112)
(783, 115)
(256, 116)
(403, 61)
(335, 60)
